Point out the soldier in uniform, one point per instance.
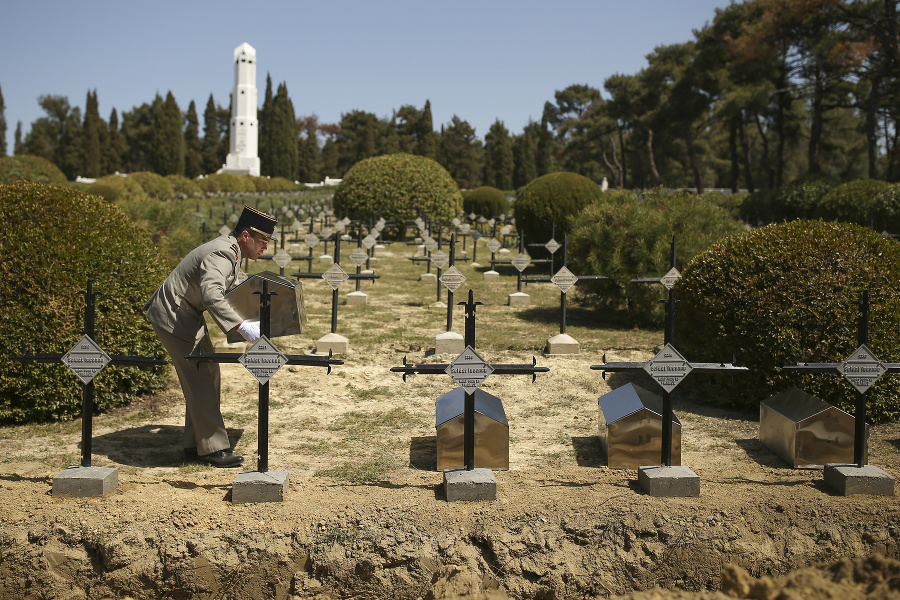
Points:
(175, 310)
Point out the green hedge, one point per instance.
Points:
(173, 225)
(24, 167)
(623, 236)
(398, 187)
(552, 198)
(72, 237)
(790, 291)
(154, 185)
(114, 188)
(853, 202)
(184, 187)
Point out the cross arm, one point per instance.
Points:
(292, 359)
(814, 367)
(115, 359)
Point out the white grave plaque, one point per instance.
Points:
(469, 370)
(564, 279)
(668, 368)
(670, 278)
(440, 259)
(505, 230)
(521, 261)
(452, 279)
(86, 359)
(369, 241)
(456, 221)
(359, 256)
(430, 244)
(464, 228)
(335, 276)
(494, 245)
(862, 369)
(282, 258)
(263, 359)
(325, 232)
(552, 246)
(223, 230)
(312, 240)
(233, 218)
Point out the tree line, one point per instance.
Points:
(768, 92)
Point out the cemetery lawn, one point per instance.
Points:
(365, 514)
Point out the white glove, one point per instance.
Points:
(249, 329)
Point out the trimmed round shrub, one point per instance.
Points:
(623, 237)
(30, 168)
(114, 188)
(801, 199)
(282, 184)
(184, 187)
(485, 201)
(226, 182)
(80, 237)
(154, 185)
(398, 187)
(852, 202)
(553, 198)
(790, 292)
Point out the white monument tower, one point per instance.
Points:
(243, 155)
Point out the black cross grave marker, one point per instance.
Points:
(469, 370)
(263, 359)
(86, 359)
(564, 280)
(335, 276)
(668, 368)
(861, 369)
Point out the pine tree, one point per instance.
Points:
(524, 153)
(498, 157)
(192, 152)
(210, 147)
(167, 147)
(2, 125)
(92, 126)
(114, 148)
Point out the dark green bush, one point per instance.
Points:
(730, 202)
(114, 188)
(172, 225)
(788, 291)
(78, 237)
(226, 182)
(553, 198)
(485, 201)
(801, 199)
(154, 185)
(184, 187)
(282, 184)
(30, 168)
(624, 237)
(886, 208)
(399, 187)
(852, 202)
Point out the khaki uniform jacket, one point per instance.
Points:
(198, 283)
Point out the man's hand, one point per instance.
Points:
(249, 329)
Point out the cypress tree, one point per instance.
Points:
(498, 159)
(192, 152)
(114, 148)
(17, 147)
(92, 125)
(428, 139)
(167, 146)
(524, 152)
(283, 133)
(210, 146)
(2, 125)
(264, 129)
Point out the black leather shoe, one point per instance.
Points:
(222, 458)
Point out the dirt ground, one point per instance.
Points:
(365, 514)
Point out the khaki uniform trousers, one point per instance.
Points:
(204, 427)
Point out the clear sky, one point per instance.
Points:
(481, 60)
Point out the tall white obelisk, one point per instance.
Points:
(243, 149)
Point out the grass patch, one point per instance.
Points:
(373, 469)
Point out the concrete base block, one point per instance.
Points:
(475, 485)
(669, 482)
(337, 343)
(475, 265)
(518, 299)
(379, 250)
(357, 299)
(562, 344)
(85, 482)
(449, 342)
(503, 251)
(326, 259)
(253, 486)
(428, 277)
(847, 480)
(491, 275)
